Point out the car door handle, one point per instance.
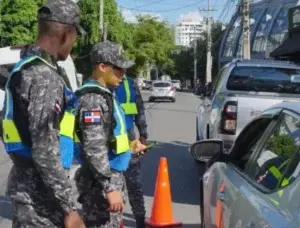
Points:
(222, 196)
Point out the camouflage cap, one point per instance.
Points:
(62, 11)
(109, 52)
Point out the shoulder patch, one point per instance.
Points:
(92, 117)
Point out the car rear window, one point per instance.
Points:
(264, 79)
(161, 84)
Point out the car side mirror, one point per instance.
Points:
(205, 150)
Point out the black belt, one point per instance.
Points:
(22, 161)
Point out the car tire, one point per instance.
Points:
(173, 100)
(151, 99)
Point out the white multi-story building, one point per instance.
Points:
(188, 30)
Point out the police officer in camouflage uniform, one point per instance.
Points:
(38, 185)
(100, 181)
(129, 96)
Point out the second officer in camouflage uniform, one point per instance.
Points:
(38, 186)
(133, 174)
(101, 188)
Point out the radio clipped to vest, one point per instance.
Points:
(11, 137)
(120, 155)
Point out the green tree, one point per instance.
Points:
(282, 145)
(18, 21)
(90, 22)
(152, 42)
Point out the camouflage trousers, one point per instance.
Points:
(33, 206)
(134, 183)
(95, 204)
(134, 187)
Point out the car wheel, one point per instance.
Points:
(173, 100)
(151, 99)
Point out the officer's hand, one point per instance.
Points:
(137, 147)
(115, 201)
(143, 140)
(73, 220)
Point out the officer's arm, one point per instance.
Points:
(94, 139)
(140, 118)
(44, 115)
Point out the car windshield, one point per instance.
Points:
(265, 79)
(161, 84)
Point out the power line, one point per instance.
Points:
(156, 11)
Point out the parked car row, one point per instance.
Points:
(248, 138)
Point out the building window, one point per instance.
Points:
(279, 31)
(254, 19)
(260, 40)
(230, 44)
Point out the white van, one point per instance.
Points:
(9, 56)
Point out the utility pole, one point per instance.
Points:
(105, 32)
(246, 29)
(101, 20)
(195, 58)
(209, 42)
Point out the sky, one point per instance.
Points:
(175, 10)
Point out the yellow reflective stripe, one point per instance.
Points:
(122, 124)
(130, 108)
(67, 125)
(76, 139)
(276, 173)
(10, 132)
(285, 182)
(274, 201)
(127, 90)
(122, 143)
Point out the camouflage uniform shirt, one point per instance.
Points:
(95, 178)
(40, 193)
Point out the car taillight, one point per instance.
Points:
(228, 118)
(172, 88)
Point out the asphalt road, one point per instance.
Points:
(173, 126)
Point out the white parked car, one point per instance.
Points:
(9, 56)
(177, 84)
(162, 90)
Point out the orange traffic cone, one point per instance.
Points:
(162, 213)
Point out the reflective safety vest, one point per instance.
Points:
(274, 175)
(126, 95)
(11, 136)
(119, 156)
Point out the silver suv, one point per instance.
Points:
(241, 91)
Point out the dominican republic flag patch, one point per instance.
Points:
(92, 117)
